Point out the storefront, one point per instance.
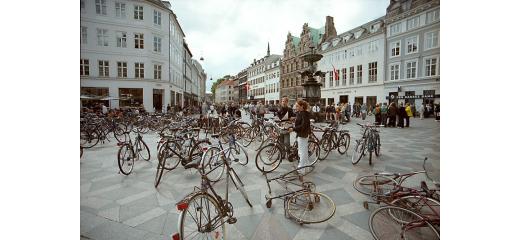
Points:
(130, 97)
(94, 95)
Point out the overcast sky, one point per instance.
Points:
(229, 34)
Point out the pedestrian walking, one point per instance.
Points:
(392, 113)
(348, 110)
(421, 111)
(302, 127)
(377, 114)
(408, 114)
(261, 110)
(437, 110)
(363, 111)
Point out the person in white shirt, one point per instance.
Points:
(104, 109)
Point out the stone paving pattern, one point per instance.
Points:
(115, 206)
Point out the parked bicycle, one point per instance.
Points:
(130, 150)
(333, 138)
(369, 142)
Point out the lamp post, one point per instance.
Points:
(311, 87)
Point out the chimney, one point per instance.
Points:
(330, 30)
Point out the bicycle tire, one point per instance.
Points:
(239, 152)
(273, 155)
(198, 149)
(146, 155)
(211, 162)
(125, 160)
(159, 173)
(119, 133)
(169, 157)
(239, 185)
(359, 151)
(313, 152)
(375, 185)
(344, 143)
(377, 148)
(309, 204)
(424, 206)
(383, 224)
(325, 146)
(196, 205)
(89, 138)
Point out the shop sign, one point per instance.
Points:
(414, 96)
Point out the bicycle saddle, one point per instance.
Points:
(215, 135)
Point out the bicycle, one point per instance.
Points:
(333, 138)
(186, 150)
(127, 152)
(204, 212)
(369, 141)
(213, 158)
(304, 205)
(270, 156)
(391, 222)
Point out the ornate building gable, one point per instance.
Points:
(399, 9)
(309, 37)
(290, 46)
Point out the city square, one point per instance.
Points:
(176, 65)
(115, 206)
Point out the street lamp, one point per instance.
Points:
(311, 87)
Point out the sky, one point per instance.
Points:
(229, 34)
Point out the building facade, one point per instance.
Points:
(413, 51)
(131, 54)
(242, 86)
(272, 81)
(292, 62)
(224, 92)
(358, 57)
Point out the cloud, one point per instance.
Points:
(229, 34)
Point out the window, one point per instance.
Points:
(337, 80)
(411, 69)
(103, 68)
(359, 74)
(138, 12)
(331, 82)
(122, 70)
(351, 72)
(101, 7)
(139, 40)
(411, 45)
(84, 35)
(372, 72)
(372, 46)
(432, 16)
(396, 49)
(121, 39)
(430, 67)
(394, 71)
(431, 40)
(156, 17)
(156, 44)
(139, 70)
(102, 36)
(395, 29)
(120, 10)
(344, 71)
(412, 23)
(156, 71)
(83, 67)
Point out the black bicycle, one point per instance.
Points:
(130, 151)
(369, 142)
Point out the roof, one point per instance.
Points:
(316, 34)
(296, 41)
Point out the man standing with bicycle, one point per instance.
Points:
(285, 113)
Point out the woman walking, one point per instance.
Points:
(377, 114)
(401, 112)
(392, 112)
(302, 127)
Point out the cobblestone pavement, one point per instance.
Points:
(115, 206)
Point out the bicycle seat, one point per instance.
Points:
(215, 135)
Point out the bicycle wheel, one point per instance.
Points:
(169, 155)
(375, 185)
(325, 145)
(310, 207)
(202, 219)
(377, 144)
(125, 159)
(239, 185)
(344, 143)
(313, 152)
(197, 151)
(424, 206)
(88, 138)
(268, 158)
(239, 152)
(212, 165)
(159, 172)
(386, 223)
(143, 150)
(246, 138)
(359, 151)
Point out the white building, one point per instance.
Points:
(131, 51)
(358, 56)
(272, 82)
(224, 92)
(413, 51)
(256, 77)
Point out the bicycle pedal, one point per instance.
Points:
(232, 220)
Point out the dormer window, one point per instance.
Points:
(358, 33)
(335, 42)
(325, 45)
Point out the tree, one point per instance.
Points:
(215, 84)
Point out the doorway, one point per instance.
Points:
(392, 97)
(158, 99)
(358, 100)
(343, 98)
